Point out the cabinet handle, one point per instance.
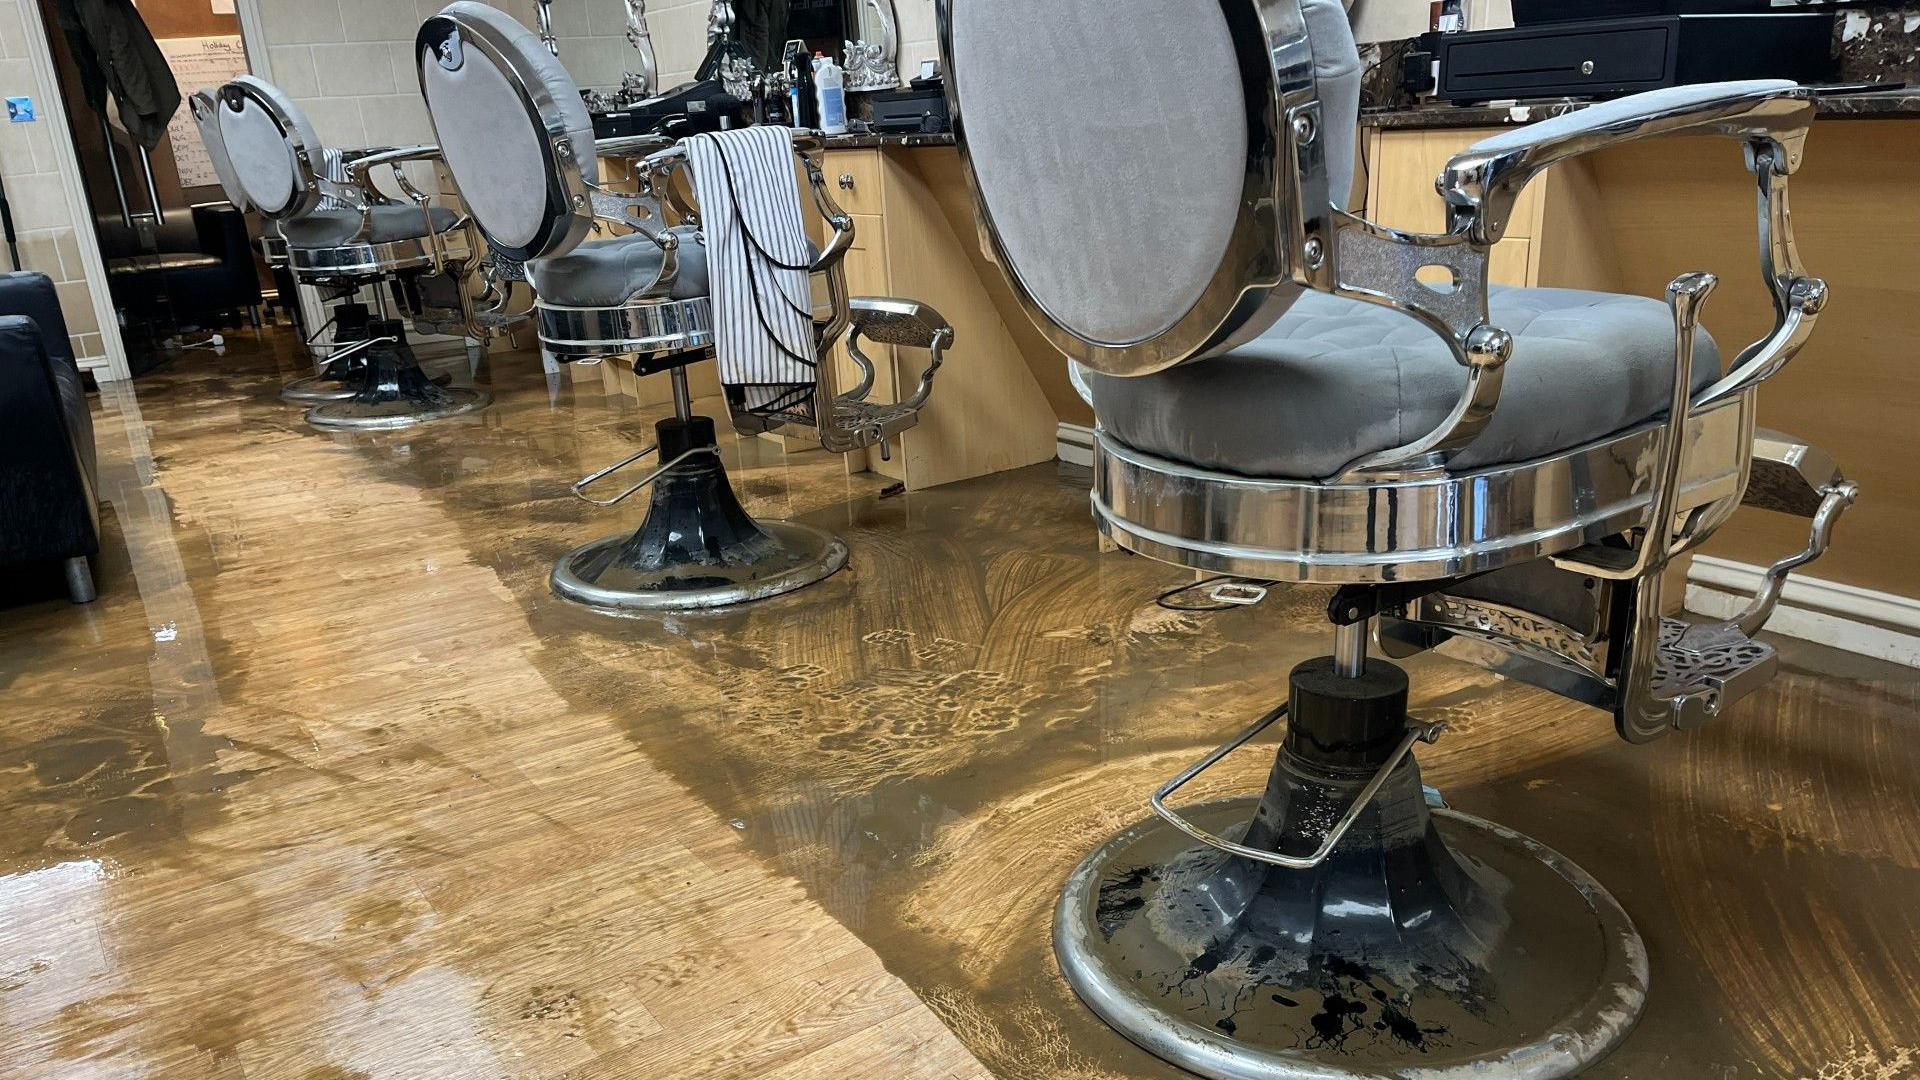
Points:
(1586, 67)
(846, 181)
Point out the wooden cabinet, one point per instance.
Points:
(995, 402)
(989, 411)
(1550, 239)
(1632, 218)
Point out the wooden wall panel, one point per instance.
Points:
(1632, 219)
(989, 412)
(1683, 205)
(939, 169)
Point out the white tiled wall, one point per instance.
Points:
(349, 62)
(42, 216)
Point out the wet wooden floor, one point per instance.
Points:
(327, 785)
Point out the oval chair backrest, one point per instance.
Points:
(207, 120)
(271, 146)
(512, 129)
(1132, 165)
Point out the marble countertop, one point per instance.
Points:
(868, 140)
(1883, 103)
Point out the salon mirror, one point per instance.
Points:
(827, 26)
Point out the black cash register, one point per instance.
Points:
(1605, 48)
(687, 109)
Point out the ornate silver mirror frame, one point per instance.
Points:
(641, 84)
(875, 65)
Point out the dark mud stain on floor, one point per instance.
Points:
(930, 741)
(122, 774)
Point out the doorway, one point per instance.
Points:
(180, 264)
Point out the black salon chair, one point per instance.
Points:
(48, 509)
(1287, 392)
(520, 145)
(343, 233)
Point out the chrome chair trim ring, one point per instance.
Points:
(354, 414)
(370, 260)
(814, 556)
(1413, 529)
(654, 328)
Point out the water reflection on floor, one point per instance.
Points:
(328, 718)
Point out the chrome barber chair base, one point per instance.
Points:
(391, 413)
(1554, 991)
(591, 576)
(325, 387)
(317, 388)
(393, 392)
(1338, 926)
(698, 547)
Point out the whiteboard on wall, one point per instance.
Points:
(198, 63)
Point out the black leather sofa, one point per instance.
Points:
(48, 510)
(203, 274)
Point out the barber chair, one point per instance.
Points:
(1290, 393)
(520, 145)
(344, 234)
(330, 383)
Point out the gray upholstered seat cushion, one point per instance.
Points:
(1336, 379)
(608, 273)
(331, 228)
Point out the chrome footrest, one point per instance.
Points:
(855, 425)
(1704, 668)
(1606, 643)
(494, 321)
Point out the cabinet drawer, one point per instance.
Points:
(1405, 165)
(854, 177)
(1594, 58)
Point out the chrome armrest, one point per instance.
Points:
(1770, 118)
(829, 261)
(631, 146)
(1481, 186)
(1482, 183)
(358, 165)
(363, 194)
(902, 324)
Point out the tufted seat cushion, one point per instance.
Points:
(608, 273)
(332, 228)
(1336, 379)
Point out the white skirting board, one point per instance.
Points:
(1877, 624)
(1075, 443)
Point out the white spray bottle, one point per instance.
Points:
(830, 90)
